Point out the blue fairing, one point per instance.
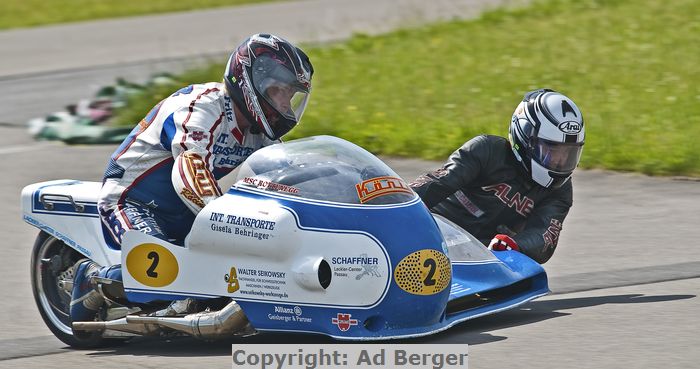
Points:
(389, 225)
(434, 274)
(401, 314)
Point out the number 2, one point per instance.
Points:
(151, 272)
(429, 280)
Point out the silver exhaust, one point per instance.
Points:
(120, 325)
(229, 321)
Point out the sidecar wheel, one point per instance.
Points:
(52, 294)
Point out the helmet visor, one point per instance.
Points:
(279, 87)
(557, 156)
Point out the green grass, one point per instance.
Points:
(630, 65)
(28, 13)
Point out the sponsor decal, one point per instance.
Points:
(229, 163)
(242, 221)
(289, 314)
(262, 273)
(421, 180)
(428, 178)
(189, 195)
(139, 221)
(344, 321)
(523, 205)
(551, 235)
(198, 135)
(439, 173)
(270, 186)
(152, 265)
(468, 204)
(230, 156)
(204, 183)
(250, 282)
(236, 150)
(57, 234)
(232, 280)
(362, 259)
(380, 186)
(244, 226)
(360, 266)
(371, 270)
(424, 272)
(228, 109)
(570, 127)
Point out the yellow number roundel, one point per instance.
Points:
(424, 272)
(152, 265)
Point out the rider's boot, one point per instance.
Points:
(85, 300)
(93, 286)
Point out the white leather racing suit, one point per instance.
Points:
(166, 171)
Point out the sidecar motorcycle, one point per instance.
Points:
(317, 235)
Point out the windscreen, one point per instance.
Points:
(460, 245)
(323, 168)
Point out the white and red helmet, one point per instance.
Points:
(547, 134)
(270, 81)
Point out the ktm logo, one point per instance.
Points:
(380, 186)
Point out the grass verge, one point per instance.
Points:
(630, 65)
(28, 13)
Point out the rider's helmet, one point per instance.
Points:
(546, 134)
(270, 80)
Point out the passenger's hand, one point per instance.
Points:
(501, 242)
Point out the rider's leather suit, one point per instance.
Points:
(168, 167)
(485, 190)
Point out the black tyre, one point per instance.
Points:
(52, 262)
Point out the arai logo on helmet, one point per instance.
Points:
(570, 127)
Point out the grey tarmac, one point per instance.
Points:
(624, 278)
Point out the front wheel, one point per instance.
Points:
(52, 281)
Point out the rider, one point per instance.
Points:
(514, 192)
(166, 171)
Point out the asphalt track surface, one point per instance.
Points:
(624, 279)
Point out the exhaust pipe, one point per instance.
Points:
(120, 325)
(228, 321)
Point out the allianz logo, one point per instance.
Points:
(286, 310)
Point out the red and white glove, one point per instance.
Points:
(501, 242)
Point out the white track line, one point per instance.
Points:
(18, 149)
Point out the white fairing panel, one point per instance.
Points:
(67, 210)
(253, 249)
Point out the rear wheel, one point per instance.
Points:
(52, 281)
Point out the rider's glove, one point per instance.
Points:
(501, 242)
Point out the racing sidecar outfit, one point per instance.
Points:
(485, 190)
(167, 169)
